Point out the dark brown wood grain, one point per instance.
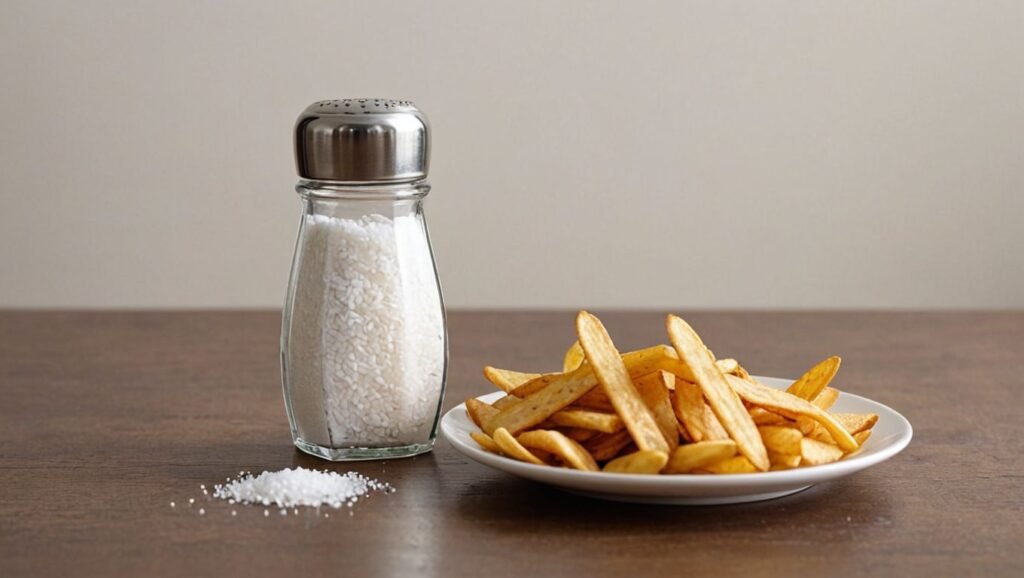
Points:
(106, 417)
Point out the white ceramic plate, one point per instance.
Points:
(891, 434)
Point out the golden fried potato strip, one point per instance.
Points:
(654, 390)
(813, 430)
(721, 397)
(728, 365)
(513, 449)
(480, 412)
(826, 398)
(688, 404)
(733, 465)
(815, 379)
(571, 453)
(587, 419)
(862, 437)
(574, 357)
(780, 401)
(595, 399)
(611, 372)
(781, 439)
(760, 416)
(485, 442)
(503, 402)
(506, 380)
(816, 453)
(856, 422)
(563, 390)
(604, 447)
(714, 430)
(641, 462)
(697, 455)
(783, 461)
(579, 434)
(638, 363)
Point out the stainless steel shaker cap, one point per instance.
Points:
(362, 140)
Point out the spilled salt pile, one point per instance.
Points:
(288, 488)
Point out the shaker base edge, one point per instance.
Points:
(362, 454)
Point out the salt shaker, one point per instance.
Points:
(364, 348)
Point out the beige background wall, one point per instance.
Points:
(633, 154)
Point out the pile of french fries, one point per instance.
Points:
(663, 410)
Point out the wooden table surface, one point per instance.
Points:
(107, 417)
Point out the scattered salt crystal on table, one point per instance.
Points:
(289, 488)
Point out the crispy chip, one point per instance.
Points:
(541, 381)
(697, 455)
(741, 372)
(814, 430)
(780, 401)
(816, 379)
(506, 379)
(733, 465)
(547, 457)
(479, 411)
(579, 434)
(688, 404)
(503, 402)
(570, 452)
(564, 389)
(856, 422)
(588, 419)
(574, 357)
(816, 453)
(513, 449)
(654, 390)
(783, 461)
(862, 437)
(641, 462)
(714, 430)
(781, 439)
(826, 398)
(606, 446)
(722, 399)
(638, 363)
(611, 372)
(728, 366)
(485, 442)
(595, 399)
(760, 416)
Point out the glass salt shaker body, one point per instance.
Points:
(363, 343)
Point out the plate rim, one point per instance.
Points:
(560, 476)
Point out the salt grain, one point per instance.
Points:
(366, 350)
(290, 488)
